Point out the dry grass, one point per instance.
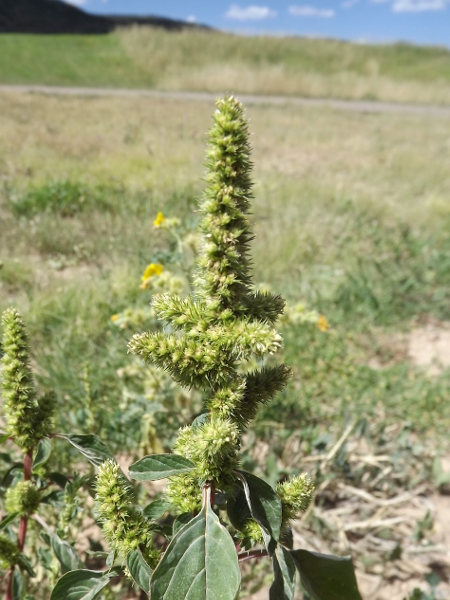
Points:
(218, 62)
(314, 167)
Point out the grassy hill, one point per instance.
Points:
(213, 61)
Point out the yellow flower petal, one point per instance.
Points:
(160, 219)
(322, 323)
(152, 269)
(114, 318)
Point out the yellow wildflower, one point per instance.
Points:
(322, 323)
(160, 220)
(114, 318)
(151, 270)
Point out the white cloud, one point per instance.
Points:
(250, 13)
(401, 6)
(311, 11)
(416, 6)
(349, 3)
(189, 19)
(77, 2)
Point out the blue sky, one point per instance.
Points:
(417, 21)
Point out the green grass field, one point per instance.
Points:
(204, 61)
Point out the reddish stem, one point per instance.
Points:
(9, 593)
(252, 554)
(27, 471)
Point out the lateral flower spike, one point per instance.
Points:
(296, 495)
(9, 552)
(124, 526)
(28, 419)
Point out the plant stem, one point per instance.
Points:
(27, 468)
(209, 489)
(9, 593)
(252, 554)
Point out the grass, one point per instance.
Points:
(202, 61)
(350, 217)
(85, 60)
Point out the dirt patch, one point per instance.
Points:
(429, 347)
(426, 347)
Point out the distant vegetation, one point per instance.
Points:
(205, 60)
(54, 16)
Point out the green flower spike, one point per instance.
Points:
(28, 419)
(223, 324)
(296, 495)
(23, 498)
(124, 526)
(9, 552)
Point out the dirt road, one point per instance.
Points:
(351, 105)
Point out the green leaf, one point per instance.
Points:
(25, 563)
(200, 420)
(66, 555)
(59, 479)
(17, 584)
(4, 437)
(7, 520)
(159, 466)
(238, 510)
(181, 521)
(81, 585)
(200, 562)
(139, 570)
(283, 586)
(264, 504)
(90, 447)
(156, 509)
(43, 452)
(326, 577)
(55, 498)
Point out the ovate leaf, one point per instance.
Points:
(200, 562)
(66, 555)
(326, 577)
(159, 466)
(81, 585)
(181, 521)
(264, 504)
(43, 452)
(283, 585)
(156, 509)
(91, 447)
(139, 569)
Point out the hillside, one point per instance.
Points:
(213, 61)
(55, 16)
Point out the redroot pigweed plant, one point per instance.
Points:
(223, 515)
